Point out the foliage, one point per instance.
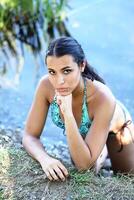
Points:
(26, 21)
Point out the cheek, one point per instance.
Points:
(74, 80)
(52, 80)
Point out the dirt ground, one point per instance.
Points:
(21, 177)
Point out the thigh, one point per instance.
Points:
(121, 154)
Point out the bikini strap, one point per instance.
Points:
(85, 91)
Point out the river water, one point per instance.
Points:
(105, 30)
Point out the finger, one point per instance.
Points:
(59, 173)
(57, 93)
(53, 174)
(59, 101)
(64, 170)
(48, 175)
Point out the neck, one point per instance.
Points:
(79, 89)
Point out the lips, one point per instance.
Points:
(62, 89)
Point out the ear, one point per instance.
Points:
(82, 66)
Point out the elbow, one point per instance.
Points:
(86, 164)
(83, 167)
(25, 139)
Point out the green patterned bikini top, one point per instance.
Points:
(85, 120)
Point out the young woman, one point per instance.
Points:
(85, 108)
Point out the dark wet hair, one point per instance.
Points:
(69, 46)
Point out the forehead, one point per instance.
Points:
(63, 61)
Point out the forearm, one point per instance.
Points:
(79, 150)
(35, 148)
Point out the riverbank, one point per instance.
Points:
(21, 177)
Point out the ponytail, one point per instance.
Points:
(90, 73)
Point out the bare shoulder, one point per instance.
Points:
(44, 83)
(99, 96)
(97, 91)
(45, 88)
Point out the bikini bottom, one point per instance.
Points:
(126, 124)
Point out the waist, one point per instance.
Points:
(120, 116)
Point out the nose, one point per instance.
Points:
(60, 80)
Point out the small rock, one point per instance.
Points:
(9, 133)
(107, 164)
(6, 138)
(106, 173)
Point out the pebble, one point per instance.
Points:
(106, 173)
(107, 164)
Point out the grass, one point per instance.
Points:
(21, 177)
(89, 186)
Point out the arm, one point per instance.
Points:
(34, 125)
(31, 138)
(85, 153)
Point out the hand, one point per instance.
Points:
(54, 169)
(65, 103)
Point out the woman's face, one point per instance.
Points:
(64, 73)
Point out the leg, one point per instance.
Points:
(122, 159)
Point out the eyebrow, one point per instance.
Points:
(67, 67)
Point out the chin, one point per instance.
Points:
(65, 93)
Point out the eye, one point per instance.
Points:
(67, 71)
(51, 72)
